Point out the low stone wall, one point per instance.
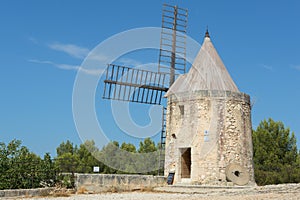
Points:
(96, 183)
(25, 192)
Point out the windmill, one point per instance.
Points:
(124, 83)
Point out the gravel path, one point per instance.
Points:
(270, 192)
(176, 196)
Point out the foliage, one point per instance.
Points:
(20, 168)
(276, 159)
(88, 154)
(109, 155)
(147, 146)
(150, 155)
(125, 159)
(70, 158)
(48, 171)
(65, 148)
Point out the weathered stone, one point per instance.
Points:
(221, 135)
(25, 192)
(96, 183)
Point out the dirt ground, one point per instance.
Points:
(176, 196)
(271, 192)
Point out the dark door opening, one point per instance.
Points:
(186, 163)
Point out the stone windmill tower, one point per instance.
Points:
(208, 134)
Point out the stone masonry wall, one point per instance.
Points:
(95, 183)
(216, 125)
(25, 193)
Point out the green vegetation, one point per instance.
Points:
(20, 168)
(276, 160)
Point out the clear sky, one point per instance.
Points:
(43, 42)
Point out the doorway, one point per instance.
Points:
(186, 162)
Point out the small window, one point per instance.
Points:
(181, 108)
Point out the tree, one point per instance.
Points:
(67, 147)
(88, 154)
(27, 168)
(4, 166)
(128, 147)
(147, 146)
(20, 168)
(109, 155)
(274, 153)
(48, 171)
(149, 156)
(128, 158)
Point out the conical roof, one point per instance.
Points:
(207, 73)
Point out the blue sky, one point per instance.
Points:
(44, 42)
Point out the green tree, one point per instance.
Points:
(274, 153)
(124, 158)
(147, 146)
(88, 154)
(19, 167)
(149, 156)
(27, 168)
(109, 155)
(4, 166)
(71, 159)
(128, 147)
(67, 147)
(48, 171)
(67, 159)
(128, 158)
(67, 162)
